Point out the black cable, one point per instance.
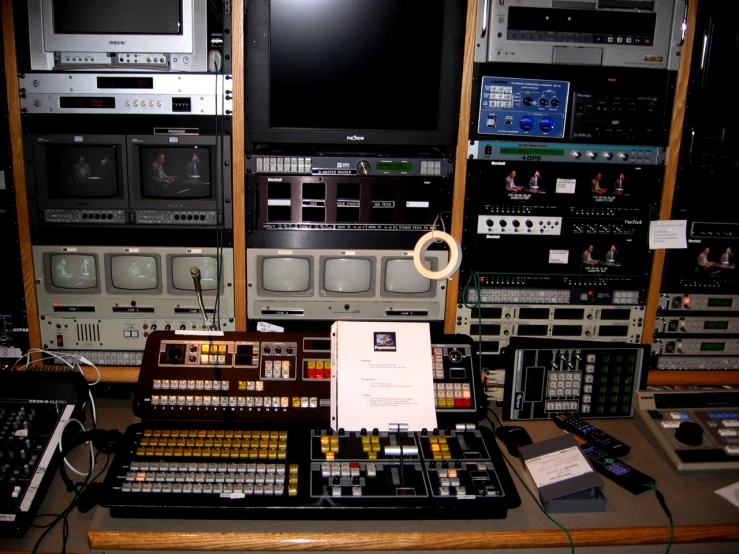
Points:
(661, 499)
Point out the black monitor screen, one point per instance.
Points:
(175, 172)
(82, 171)
(136, 17)
(355, 65)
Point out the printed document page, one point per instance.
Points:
(382, 375)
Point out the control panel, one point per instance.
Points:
(718, 324)
(348, 165)
(547, 378)
(523, 107)
(567, 153)
(698, 346)
(699, 302)
(114, 217)
(185, 217)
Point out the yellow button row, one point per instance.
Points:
(213, 348)
(366, 447)
(442, 455)
(210, 443)
(445, 402)
(371, 439)
(232, 453)
(319, 365)
(439, 448)
(217, 433)
(434, 440)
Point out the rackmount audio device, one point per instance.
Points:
(546, 378)
(146, 94)
(343, 284)
(718, 323)
(237, 425)
(110, 299)
(683, 346)
(627, 109)
(328, 199)
(523, 107)
(629, 33)
(697, 430)
(698, 302)
(34, 408)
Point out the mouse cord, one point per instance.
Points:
(528, 490)
(662, 503)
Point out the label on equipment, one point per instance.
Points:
(559, 256)
(566, 186)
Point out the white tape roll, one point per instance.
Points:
(455, 255)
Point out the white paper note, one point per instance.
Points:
(730, 493)
(558, 256)
(383, 376)
(668, 234)
(565, 186)
(558, 466)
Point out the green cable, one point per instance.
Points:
(533, 497)
(661, 499)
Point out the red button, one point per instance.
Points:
(311, 374)
(145, 326)
(467, 402)
(327, 373)
(146, 334)
(458, 402)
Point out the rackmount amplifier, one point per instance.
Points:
(129, 94)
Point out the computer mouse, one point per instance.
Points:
(513, 437)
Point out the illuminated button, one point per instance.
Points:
(213, 359)
(221, 348)
(205, 348)
(319, 365)
(296, 402)
(259, 386)
(221, 359)
(203, 358)
(284, 402)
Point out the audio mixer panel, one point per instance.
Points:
(548, 378)
(261, 445)
(523, 107)
(629, 109)
(697, 430)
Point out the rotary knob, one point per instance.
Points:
(546, 124)
(364, 167)
(607, 155)
(624, 156)
(593, 155)
(489, 222)
(516, 223)
(577, 155)
(529, 223)
(526, 123)
(503, 223)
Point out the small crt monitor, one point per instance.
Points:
(133, 272)
(83, 171)
(181, 277)
(71, 273)
(401, 277)
(176, 172)
(347, 275)
(286, 275)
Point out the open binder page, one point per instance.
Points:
(382, 376)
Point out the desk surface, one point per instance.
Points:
(699, 514)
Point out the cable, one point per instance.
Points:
(92, 454)
(662, 503)
(533, 497)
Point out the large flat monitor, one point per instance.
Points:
(332, 71)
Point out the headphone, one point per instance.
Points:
(106, 442)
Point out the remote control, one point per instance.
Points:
(592, 434)
(617, 471)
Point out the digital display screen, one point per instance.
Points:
(716, 325)
(322, 52)
(720, 302)
(712, 346)
(394, 166)
(103, 17)
(87, 102)
(126, 82)
(175, 172)
(532, 151)
(82, 171)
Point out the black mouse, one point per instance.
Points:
(513, 437)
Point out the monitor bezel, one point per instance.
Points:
(258, 91)
(384, 293)
(262, 292)
(220, 174)
(369, 293)
(171, 290)
(38, 179)
(110, 288)
(49, 281)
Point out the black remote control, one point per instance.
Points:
(592, 434)
(617, 471)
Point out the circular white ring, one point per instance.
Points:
(455, 255)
